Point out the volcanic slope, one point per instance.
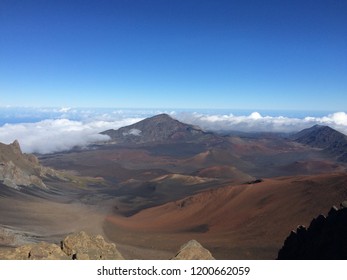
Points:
(236, 222)
(148, 165)
(161, 145)
(155, 161)
(40, 203)
(159, 129)
(326, 138)
(23, 170)
(143, 173)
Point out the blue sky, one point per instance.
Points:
(174, 54)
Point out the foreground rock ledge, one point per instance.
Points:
(78, 246)
(324, 239)
(81, 246)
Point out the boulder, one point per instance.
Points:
(193, 250)
(81, 246)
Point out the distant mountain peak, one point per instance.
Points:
(320, 136)
(326, 138)
(162, 116)
(160, 128)
(320, 127)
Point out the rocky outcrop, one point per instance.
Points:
(6, 237)
(38, 251)
(193, 250)
(324, 239)
(13, 176)
(22, 170)
(79, 246)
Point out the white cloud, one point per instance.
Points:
(49, 136)
(53, 130)
(255, 122)
(64, 109)
(133, 131)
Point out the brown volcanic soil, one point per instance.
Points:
(32, 214)
(236, 222)
(152, 197)
(254, 157)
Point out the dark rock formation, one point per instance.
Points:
(324, 239)
(193, 250)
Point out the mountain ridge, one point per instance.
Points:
(18, 169)
(158, 129)
(330, 140)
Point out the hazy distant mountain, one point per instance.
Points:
(158, 129)
(324, 137)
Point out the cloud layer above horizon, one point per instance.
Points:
(255, 122)
(55, 130)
